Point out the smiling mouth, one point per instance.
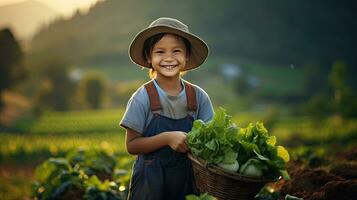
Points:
(169, 66)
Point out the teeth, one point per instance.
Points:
(169, 66)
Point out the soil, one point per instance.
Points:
(338, 180)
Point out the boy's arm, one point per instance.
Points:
(137, 144)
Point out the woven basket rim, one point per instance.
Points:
(236, 176)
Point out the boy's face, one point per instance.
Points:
(168, 56)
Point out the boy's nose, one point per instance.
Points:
(169, 57)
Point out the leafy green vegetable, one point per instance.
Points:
(268, 193)
(203, 196)
(220, 141)
(75, 177)
(291, 197)
(253, 168)
(215, 141)
(233, 167)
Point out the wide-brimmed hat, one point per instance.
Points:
(199, 49)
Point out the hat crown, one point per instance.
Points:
(170, 22)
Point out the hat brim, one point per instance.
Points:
(199, 49)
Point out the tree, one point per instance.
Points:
(92, 89)
(12, 70)
(344, 99)
(57, 90)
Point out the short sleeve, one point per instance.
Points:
(135, 115)
(205, 108)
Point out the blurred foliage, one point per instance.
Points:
(314, 79)
(297, 38)
(56, 91)
(58, 132)
(80, 175)
(12, 69)
(344, 97)
(319, 106)
(123, 90)
(289, 76)
(77, 122)
(268, 193)
(338, 99)
(242, 86)
(92, 89)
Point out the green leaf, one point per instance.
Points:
(61, 189)
(230, 157)
(261, 157)
(249, 147)
(212, 145)
(285, 174)
(192, 197)
(271, 141)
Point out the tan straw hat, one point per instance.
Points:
(199, 49)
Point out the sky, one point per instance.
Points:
(65, 7)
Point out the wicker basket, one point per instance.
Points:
(225, 185)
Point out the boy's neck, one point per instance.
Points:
(172, 86)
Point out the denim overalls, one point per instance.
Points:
(164, 174)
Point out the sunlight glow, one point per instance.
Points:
(65, 7)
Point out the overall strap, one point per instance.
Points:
(153, 96)
(191, 97)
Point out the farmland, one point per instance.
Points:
(56, 133)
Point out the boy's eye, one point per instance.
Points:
(159, 51)
(177, 50)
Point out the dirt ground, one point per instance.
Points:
(336, 180)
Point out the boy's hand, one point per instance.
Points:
(177, 140)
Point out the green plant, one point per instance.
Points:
(94, 162)
(204, 196)
(92, 89)
(75, 177)
(97, 190)
(221, 141)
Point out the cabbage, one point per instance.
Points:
(253, 168)
(233, 167)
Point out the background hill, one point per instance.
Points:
(279, 32)
(26, 17)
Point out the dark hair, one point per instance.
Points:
(151, 41)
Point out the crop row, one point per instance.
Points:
(77, 121)
(25, 147)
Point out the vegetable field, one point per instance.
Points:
(322, 155)
(54, 135)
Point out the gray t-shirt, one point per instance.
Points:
(138, 113)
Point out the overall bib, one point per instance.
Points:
(164, 174)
